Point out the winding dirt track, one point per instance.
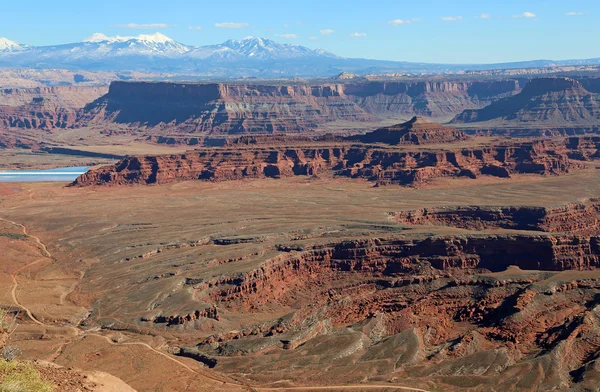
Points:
(47, 256)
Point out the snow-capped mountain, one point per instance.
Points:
(265, 49)
(249, 57)
(152, 52)
(260, 49)
(100, 46)
(8, 46)
(153, 45)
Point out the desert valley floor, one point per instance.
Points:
(93, 289)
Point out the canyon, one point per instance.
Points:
(292, 235)
(320, 281)
(187, 113)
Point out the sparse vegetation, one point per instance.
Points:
(18, 376)
(7, 327)
(4, 324)
(10, 353)
(14, 236)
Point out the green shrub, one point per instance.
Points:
(13, 236)
(18, 376)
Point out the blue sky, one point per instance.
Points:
(442, 31)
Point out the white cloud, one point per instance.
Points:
(313, 38)
(194, 27)
(398, 22)
(573, 13)
(485, 16)
(231, 25)
(451, 18)
(327, 31)
(142, 26)
(286, 25)
(525, 15)
(288, 36)
(358, 35)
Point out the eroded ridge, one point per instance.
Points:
(380, 164)
(576, 218)
(417, 309)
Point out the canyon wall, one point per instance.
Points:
(557, 101)
(254, 108)
(379, 164)
(576, 218)
(44, 107)
(389, 257)
(426, 309)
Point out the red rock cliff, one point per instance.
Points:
(379, 164)
(255, 108)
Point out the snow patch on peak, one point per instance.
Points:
(97, 37)
(156, 37)
(7, 45)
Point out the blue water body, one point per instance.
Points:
(63, 174)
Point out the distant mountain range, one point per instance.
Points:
(249, 57)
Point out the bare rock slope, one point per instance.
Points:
(557, 101)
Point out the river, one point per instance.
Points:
(64, 174)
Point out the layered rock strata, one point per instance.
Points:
(577, 218)
(557, 101)
(424, 309)
(44, 107)
(417, 131)
(248, 108)
(378, 164)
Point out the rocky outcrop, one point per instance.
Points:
(381, 258)
(378, 164)
(558, 101)
(211, 313)
(255, 108)
(417, 131)
(536, 131)
(428, 310)
(577, 218)
(10, 140)
(44, 107)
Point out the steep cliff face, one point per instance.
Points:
(222, 108)
(432, 99)
(382, 165)
(248, 108)
(379, 258)
(44, 107)
(577, 218)
(546, 100)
